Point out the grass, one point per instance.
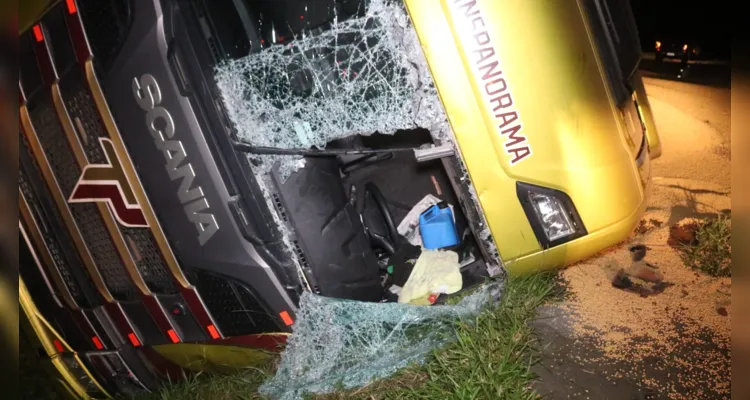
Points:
(711, 251)
(491, 359)
(242, 385)
(34, 381)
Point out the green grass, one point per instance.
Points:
(711, 251)
(241, 385)
(491, 359)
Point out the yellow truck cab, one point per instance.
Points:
(189, 168)
(551, 117)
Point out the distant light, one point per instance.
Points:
(684, 48)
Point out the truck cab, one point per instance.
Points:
(189, 168)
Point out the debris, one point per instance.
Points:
(437, 226)
(682, 235)
(436, 271)
(342, 344)
(402, 262)
(435, 183)
(653, 281)
(621, 280)
(409, 226)
(722, 311)
(683, 335)
(645, 226)
(660, 287)
(644, 271)
(391, 295)
(433, 152)
(638, 252)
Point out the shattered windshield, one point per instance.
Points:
(323, 70)
(241, 26)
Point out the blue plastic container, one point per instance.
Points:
(437, 227)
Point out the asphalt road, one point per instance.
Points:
(663, 354)
(714, 73)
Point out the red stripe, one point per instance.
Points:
(101, 192)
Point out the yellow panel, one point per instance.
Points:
(213, 358)
(552, 81)
(42, 332)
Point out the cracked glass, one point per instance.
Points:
(361, 72)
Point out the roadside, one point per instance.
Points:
(713, 73)
(34, 381)
(606, 342)
(652, 56)
(490, 359)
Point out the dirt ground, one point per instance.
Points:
(606, 343)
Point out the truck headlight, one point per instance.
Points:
(551, 213)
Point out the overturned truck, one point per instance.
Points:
(190, 168)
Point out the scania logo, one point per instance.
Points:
(161, 126)
(108, 184)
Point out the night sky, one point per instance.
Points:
(706, 22)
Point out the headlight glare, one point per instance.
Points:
(551, 214)
(554, 217)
